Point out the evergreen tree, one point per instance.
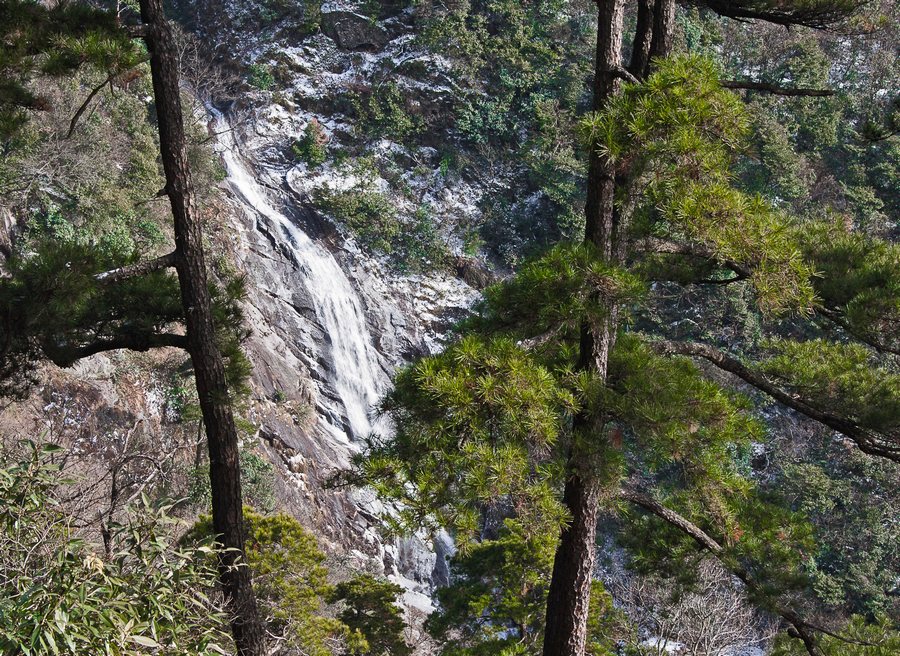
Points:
(39, 40)
(65, 301)
(548, 411)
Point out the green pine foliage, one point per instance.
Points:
(839, 377)
(52, 305)
(863, 638)
(383, 113)
(676, 135)
(305, 611)
(311, 147)
(290, 579)
(858, 281)
(39, 40)
(851, 501)
(370, 610)
(555, 293)
(413, 242)
(483, 430)
(495, 603)
(520, 69)
(468, 423)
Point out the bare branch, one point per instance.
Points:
(86, 103)
(137, 269)
(837, 318)
(66, 356)
(821, 18)
(776, 89)
(690, 249)
(624, 74)
(801, 626)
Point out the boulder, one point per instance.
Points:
(354, 32)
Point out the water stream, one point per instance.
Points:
(354, 373)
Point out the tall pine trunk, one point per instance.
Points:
(663, 32)
(568, 599)
(570, 585)
(209, 368)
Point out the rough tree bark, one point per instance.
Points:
(570, 585)
(643, 33)
(663, 31)
(209, 368)
(605, 229)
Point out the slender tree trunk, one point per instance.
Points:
(209, 369)
(663, 31)
(640, 51)
(570, 586)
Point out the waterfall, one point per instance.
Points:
(355, 373)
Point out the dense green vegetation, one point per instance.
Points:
(307, 613)
(61, 594)
(717, 367)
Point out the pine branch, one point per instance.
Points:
(821, 18)
(87, 101)
(66, 356)
(802, 627)
(867, 440)
(666, 246)
(138, 269)
(624, 74)
(837, 318)
(776, 89)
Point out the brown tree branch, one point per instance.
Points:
(138, 269)
(624, 74)
(708, 543)
(74, 123)
(690, 249)
(821, 18)
(837, 318)
(776, 89)
(867, 440)
(66, 356)
(87, 101)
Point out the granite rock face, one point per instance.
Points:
(351, 31)
(330, 326)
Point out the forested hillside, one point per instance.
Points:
(460, 328)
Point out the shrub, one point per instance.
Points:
(260, 76)
(383, 112)
(370, 610)
(369, 214)
(290, 578)
(311, 147)
(420, 245)
(58, 594)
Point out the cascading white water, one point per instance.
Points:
(356, 372)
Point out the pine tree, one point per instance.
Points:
(550, 411)
(64, 301)
(57, 40)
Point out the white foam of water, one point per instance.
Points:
(356, 373)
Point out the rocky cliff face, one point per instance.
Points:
(331, 322)
(330, 325)
(331, 319)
